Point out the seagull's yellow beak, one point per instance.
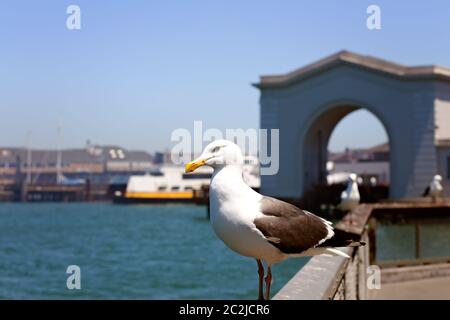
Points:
(191, 166)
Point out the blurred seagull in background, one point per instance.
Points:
(350, 196)
(257, 226)
(360, 181)
(434, 190)
(373, 182)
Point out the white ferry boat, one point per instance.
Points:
(170, 183)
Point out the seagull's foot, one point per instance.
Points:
(261, 278)
(268, 280)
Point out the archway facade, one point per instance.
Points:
(315, 141)
(413, 104)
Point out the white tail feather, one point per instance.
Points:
(317, 251)
(336, 252)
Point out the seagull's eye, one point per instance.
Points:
(215, 149)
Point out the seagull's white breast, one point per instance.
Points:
(435, 188)
(350, 197)
(234, 206)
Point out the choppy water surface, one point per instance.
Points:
(124, 252)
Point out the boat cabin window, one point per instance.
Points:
(162, 188)
(188, 188)
(188, 176)
(174, 188)
(156, 172)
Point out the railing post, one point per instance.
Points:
(418, 248)
(372, 240)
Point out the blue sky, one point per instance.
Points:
(137, 70)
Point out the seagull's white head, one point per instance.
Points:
(218, 153)
(352, 177)
(437, 178)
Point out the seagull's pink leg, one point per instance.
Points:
(268, 282)
(261, 277)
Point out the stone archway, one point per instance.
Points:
(413, 104)
(314, 139)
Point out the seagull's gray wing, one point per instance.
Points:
(289, 228)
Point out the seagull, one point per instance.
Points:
(434, 190)
(257, 226)
(373, 181)
(350, 196)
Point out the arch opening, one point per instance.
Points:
(365, 156)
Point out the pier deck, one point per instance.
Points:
(422, 289)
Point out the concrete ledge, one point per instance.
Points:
(319, 279)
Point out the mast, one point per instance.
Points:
(59, 154)
(29, 164)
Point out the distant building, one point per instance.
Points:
(366, 163)
(99, 164)
(159, 158)
(164, 157)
